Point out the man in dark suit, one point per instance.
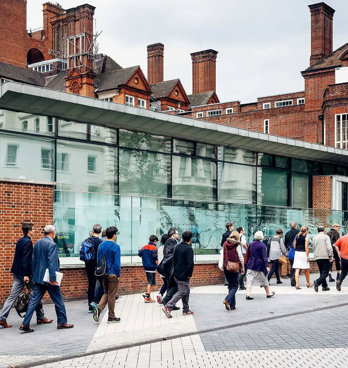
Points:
(21, 270)
(45, 256)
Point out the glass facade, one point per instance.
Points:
(146, 183)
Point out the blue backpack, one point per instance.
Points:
(87, 252)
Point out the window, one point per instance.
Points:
(129, 100)
(341, 131)
(266, 126)
(92, 164)
(37, 125)
(170, 108)
(50, 124)
(62, 161)
(180, 111)
(3, 80)
(25, 126)
(141, 103)
(46, 158)
(266, 105)
(301, 101)
(199, 115)
(11, 157)
(214, 113)
(229, 110)
(283, 103)
(108, 99)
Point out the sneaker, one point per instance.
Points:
(188, 313)
(93, 305)
(316, 286)
(175, 308)
(325, 288)
(90, 310)
(114, 320)
(159, 299)
(96, 314)
(338, 285)
(166, 311)
(279, 282)
(149, 300)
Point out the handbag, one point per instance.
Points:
(22, 302)
(232, 267)
(291, 253)
(246, 257)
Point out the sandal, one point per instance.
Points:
(310, 285)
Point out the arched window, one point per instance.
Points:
(34, 56)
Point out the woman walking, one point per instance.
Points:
(233, 264)
(301, 260)
(257, 266)
(276, 250)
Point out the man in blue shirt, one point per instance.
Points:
(112, 253)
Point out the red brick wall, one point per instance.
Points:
(20, 202)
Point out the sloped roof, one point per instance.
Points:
(116, 78)
(19, 74)
(199, 99)
(163, 89)
(57, 82)
(330, 61)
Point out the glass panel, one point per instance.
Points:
(102, 134)
(265, 159)
(237, 183)
(193, 178)
(237, 155)
(70, 129)
(23, 157)
(144, 141)
(144, 173)
(26, 123)
(327, 169)
(300, 190)
(85, 167)
(282, 162)
(184, 147)
(299, 165)
(206, 150)
(274, 187)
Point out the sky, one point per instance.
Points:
(263, 45)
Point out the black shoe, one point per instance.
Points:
(25, 328)
(279, 282)
(316, 286)
(337, 276)
(242, 288)
(338, 285)
(114, 320)
(270, 295)
(331, 279)
(249, 298)
(325, 288)
(175, 308)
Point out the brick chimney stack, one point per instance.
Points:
(155, 54)
(321, 31)
(204, 71)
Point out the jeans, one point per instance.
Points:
(110, 284)
(98, 291)
(337, 260)
(183, 293)
(343, 274)
(232, 279)
(164, 286)
(90, 269)
(56, 296)
(274, 269)
(171, 290)
(324, 269)
(241, 279)
(292, 273)
(17, 286)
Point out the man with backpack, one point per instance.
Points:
(88, 254)
(109, 268)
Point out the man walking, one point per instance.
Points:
(112, 253)
(323, 255)
(21, 270)
(168, 252)
(288, 240)
(342, 247)
(88, 254)
(183, 269)
(45, 256)
(334, 236)
(229, 228)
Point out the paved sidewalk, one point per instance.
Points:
(272, 330)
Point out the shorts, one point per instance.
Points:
(151, 277)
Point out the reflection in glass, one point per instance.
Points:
(237, 155)
(102, 134)
(274, 187)
(70, 129)
(144, 141)
(299, 190)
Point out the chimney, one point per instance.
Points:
(204, 71)
(321, 31)
(155, 63)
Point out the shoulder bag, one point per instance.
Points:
(232, 267)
